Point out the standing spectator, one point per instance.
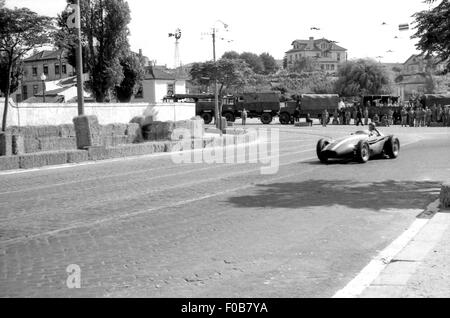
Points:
(411, 117)
(428, 117)
(359, 117)
(366, 116)
(433, 113)
(404, 117)
(390, 116)
(335, 117)
(342, 116)
(348, 116)
(309, 121)
(341, 104)
(325, 117)
(355, 114)
(244, 117)
(376, 119)
(439, 113)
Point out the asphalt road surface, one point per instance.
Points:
(148, 227)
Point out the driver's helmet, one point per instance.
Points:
(372, 125)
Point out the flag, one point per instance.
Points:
(403, 27)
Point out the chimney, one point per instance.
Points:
(311, 43)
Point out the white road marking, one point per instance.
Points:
(376, 266)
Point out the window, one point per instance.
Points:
(64, 69)
(339, 57)
(46, 69)
(34, 71)
(328, 67)
(57, 69)
(170, 89)
(322, 67)
(35, 89)
(25, 92)
(332, 67)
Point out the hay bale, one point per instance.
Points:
(41, 159)
(445, 195)
(57, 143)
(77, 156)
(6, 144)
(133, 133)
(97, 153)
(9, 163)
(18, 145)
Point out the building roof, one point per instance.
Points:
(45, 55)
(305, 43)
(157, 73)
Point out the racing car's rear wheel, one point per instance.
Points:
(320, 145)
(362, 152)
(392, 147)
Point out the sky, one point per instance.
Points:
(262, 26)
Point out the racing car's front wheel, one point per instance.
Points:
(362, 151)
(392, 147)
(320, 145)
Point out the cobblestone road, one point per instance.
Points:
(148, 227)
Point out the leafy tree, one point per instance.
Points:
(231, 55)
(285, 62)
(230, 74)
(15, 75)
(2, 3)
(253, 61)
(433, 31)
(104, 28)
(21, 30)
(304, 64)
(360, 77)
(269, 62)
(133, 72)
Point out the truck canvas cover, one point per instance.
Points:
(319, 101)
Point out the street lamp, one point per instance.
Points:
(43, 78)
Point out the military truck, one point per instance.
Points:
(312, 104)
(264, 106)
(428, 100)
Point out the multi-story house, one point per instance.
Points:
(52, 64)
(327, 54)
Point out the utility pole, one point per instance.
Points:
(216, 91)
(74, 21)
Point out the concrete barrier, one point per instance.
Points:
(445, 195)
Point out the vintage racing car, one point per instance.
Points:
(360, 146)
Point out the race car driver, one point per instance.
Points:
(373, 131)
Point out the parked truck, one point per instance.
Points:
(264, 106)
(312, 104)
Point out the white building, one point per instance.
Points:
(159, 83)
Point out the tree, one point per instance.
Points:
(2, 3)
(230, 74)
(15, 75)
(304, 64)
(104, 28)
(433, 31)
(269, 62)
(253, 61)
(133, 72)
(21, 30)
(231, 55)
(361, 77)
